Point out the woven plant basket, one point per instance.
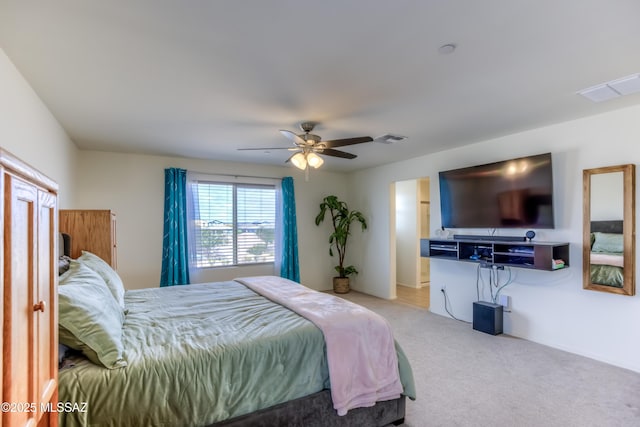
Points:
(341, 285)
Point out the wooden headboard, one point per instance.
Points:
(614, 226)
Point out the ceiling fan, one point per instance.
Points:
(308, 147)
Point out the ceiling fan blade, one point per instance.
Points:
(293, 137)
(268, 148)
(336, 153)
(346, 141)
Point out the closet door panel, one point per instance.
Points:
(46, 299)
(20, 275)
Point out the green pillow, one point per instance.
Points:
(90, 320)
(80, 273)
(607, 242)
(113, 281)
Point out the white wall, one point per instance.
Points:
(29, 131)
(133, 186)
(548, 307)
(407, 234)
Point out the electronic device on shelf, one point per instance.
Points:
(484, 238)
(521, 249)
(444, 247)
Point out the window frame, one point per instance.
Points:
(235, 182)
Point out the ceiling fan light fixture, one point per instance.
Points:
(307, 147)
(299, 160)
(314, 160)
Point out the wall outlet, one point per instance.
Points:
(505, 301)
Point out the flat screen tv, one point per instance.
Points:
(516, 193)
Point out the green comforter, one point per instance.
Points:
(608, 275)
(200, 354)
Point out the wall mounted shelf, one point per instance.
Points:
(550, 256)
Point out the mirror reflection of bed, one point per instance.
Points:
(607, 253)
(609, 229)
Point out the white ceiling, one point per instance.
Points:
(203, 78)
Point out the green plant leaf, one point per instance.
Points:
(341, 220)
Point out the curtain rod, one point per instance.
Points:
(235, 175)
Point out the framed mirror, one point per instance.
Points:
(609, 229)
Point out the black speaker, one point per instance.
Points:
(483, 238)
(487, 317)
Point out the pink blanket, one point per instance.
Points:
(617, 260)
(363, 365)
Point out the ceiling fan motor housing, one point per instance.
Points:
(307, 126)
(309, 137)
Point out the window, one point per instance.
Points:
(232, 223)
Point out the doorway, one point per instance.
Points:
(412, 211)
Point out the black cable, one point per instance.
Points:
(444, 295)
(491, 282)
(507, 283)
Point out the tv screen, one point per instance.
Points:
(516, 193)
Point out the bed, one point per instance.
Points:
(215, 354)
(606, 257)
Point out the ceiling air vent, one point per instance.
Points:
(612, 89)
(389, 138)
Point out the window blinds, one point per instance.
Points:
(234, 223)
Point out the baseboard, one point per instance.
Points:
(408, 286)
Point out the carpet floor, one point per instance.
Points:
(469, 378)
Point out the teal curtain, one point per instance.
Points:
(289, 268)
(175, 259)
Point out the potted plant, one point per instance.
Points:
(341, 219)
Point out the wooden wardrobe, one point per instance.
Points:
(29, 353)
(91, 230)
